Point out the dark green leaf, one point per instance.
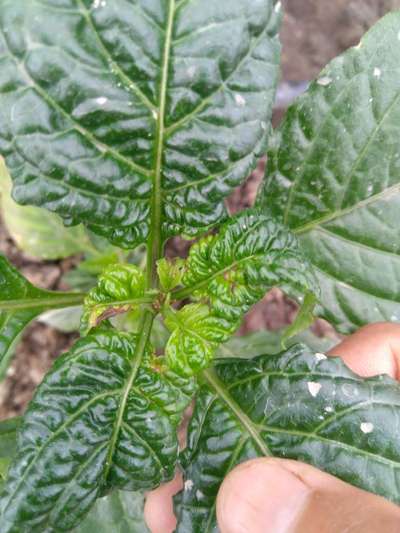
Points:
(299, 405)
(235, 268)
(120, 512)
(110, 110)
(36, 231)
(8, 443)
(21, 302)
(334, 179)
(101, 419)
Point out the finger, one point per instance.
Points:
(158, 509)
(281, 496)
(374, 349)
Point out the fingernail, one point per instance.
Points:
(261, 497)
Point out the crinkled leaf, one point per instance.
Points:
(8, 442)
(108, 108)
(120, 512)
(118, 289)
(21, 302)
(251, 254)
(170, 273)
(334, 179)
(99, 420)
(297, 405)
(196, 334)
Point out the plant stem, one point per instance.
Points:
(55, 300)
(155, 244)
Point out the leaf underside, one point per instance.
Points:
(15, 288)
(334, 177)
(97, 422)
(109, 109)
(38, 232)
(298, 405)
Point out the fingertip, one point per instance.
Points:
(260, 496)
(159, 510)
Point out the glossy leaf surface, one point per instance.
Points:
(196, 334)
(8, 443)
(113, 113)
(299, 405)
(334, 178)
(99, 420)
(235, 268)
(21, 302)
(118, 288)
(120, 512)
(36, 231)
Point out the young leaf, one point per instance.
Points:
(112, 113)
(36, 231)
(196, 334)
(119, 512)
(235, 268)
(297, 405)
(101, 419)
(334, 179)
(21, 302)
(118, 289)
(169, 273)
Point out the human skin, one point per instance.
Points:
(268, 495)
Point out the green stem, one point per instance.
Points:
(155, 242)
(133, 301)
(52, 302)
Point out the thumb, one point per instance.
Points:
(283, 496)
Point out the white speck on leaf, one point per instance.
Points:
(370, 188)
(188, 484)
(240, 100)
(102, 100)
(314, 388)
(263, 126)
(377, 72)
(155, 114)
(367, 427)
(324, 81)
(320, 356)
(191, 71)
(329, 409)
(199, 495)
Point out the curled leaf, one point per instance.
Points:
(119, 288)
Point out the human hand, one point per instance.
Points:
(268, 495)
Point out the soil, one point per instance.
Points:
(314, 31)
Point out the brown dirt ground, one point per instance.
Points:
(314, 32)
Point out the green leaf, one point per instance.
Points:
(304, 319)
(196, 334)
(298, 405)
(21, 302)
(101, 419)
(334, 178)
(235, 268)
(120, 512)
(8, 442)
(66, 320)
(119, 288)
(170, 273)
(262, 342)
(115, 113)
(36, 231)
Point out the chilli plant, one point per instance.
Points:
(131, 121)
